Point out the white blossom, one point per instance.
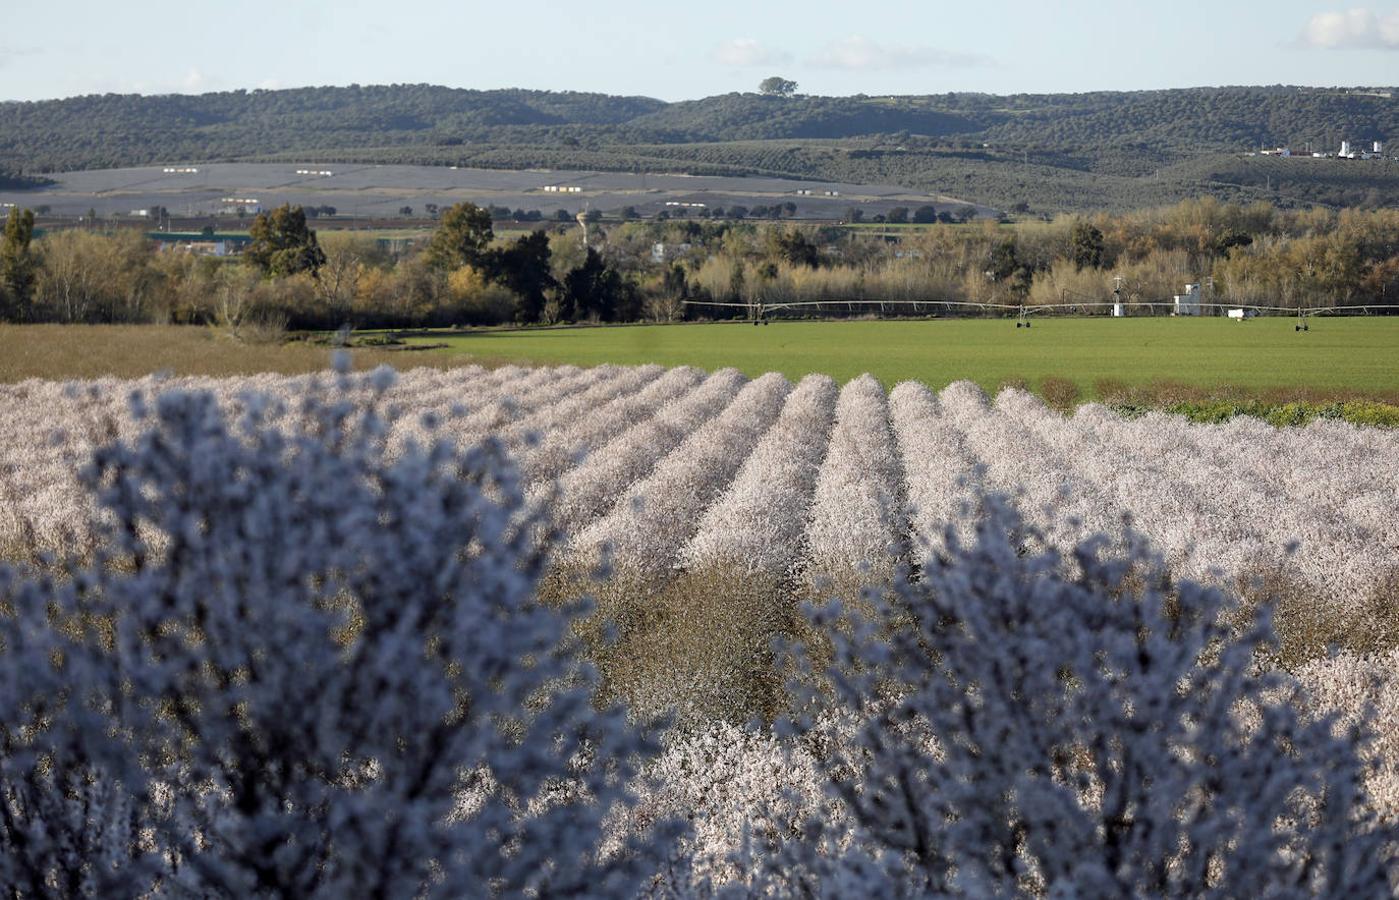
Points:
(330, 678)
(589, 490)
(756, 526)
(1021, 731)
(652, 520)
(855, 530)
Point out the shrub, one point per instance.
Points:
(476, 300)
(303, 667)
(1060, 393)
(1100, 734)
(1111, 390)
(1362, 412)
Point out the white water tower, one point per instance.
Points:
(582, 218)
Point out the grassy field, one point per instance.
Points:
(1264, 357)
(1148, 361)
(61, 352)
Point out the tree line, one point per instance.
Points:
(467, 274)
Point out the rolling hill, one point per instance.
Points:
(1049, 152)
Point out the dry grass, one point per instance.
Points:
(698, 645)
(1061, 393)
(1309, 628)
(62, 352)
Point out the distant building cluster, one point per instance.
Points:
(1348, 151)
(200, 248)
(234, 205)
(661, 252)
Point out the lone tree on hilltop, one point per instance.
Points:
(283, 245)
(777, 86)
(462, 237)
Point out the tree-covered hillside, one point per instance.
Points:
(1186, 119)
(118, 130)
(1047, 151)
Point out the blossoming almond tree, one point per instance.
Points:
(1026, 731)
(856, 527)
(655, 517)
(328, 677)
(566, 446)
(590, 489)
(756, 526)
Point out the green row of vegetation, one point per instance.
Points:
(12, 182)
(1357, 412)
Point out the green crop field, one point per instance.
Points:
(1357, 357)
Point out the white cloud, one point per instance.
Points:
(1358, 28)
(195, 82)
(860, 53)
(749, 52)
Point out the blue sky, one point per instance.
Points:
(681, 51)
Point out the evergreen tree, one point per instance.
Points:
(597, 290)
(283, 245)
(17, 266)
(523, 267)
(1086, 246)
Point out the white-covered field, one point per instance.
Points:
(807, 486)
(675, 469)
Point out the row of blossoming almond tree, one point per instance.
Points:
(271, 637)
(672, 469)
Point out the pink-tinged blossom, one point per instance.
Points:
(1023, 731)
(566, 444)
(940, 474)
